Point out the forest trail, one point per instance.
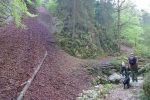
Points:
(61, 76)
(125, 50)
(119, 93)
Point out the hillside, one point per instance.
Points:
(61, 76)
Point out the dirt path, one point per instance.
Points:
(105, 60)
(125, 94)
(126, 50)
(120, 93)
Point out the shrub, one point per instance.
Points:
(146, 86)
(142, 95)
(116, 64)
(101, 79)
(142, 51)
(77, 46)
(106, 89)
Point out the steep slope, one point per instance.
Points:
(61, 76)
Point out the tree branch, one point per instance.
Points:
(121, 3)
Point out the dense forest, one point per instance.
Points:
(88, 30)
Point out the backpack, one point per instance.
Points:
(132, 60)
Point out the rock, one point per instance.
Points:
(140, 78)
(115, 78)
(79, 98)
(91, 93)
(98, 87)
(137, 84)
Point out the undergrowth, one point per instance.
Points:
(79, 46)
(106, 89)
(145, 91)
(143, 51)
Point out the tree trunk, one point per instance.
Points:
(74, 18)
(118, 28)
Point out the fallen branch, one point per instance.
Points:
(31, 79)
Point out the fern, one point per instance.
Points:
(19, 9)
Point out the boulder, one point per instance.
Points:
(115, 78)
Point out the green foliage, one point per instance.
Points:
(5, 11)
(106, 89)
(142, 95)
(142, 50)
(100, 80)
(52, 6)
(116, 64)
(93, 69)
(104, 23)
(145, 91)
(98, 19)
(38, 3)
(122, 58)
(79, 46)
(146, 86)
(101, 76)
(15, 8)
(131, 26)
(19, 8)
(146, 27)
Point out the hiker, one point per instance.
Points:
(133, 66)
(123, 70)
